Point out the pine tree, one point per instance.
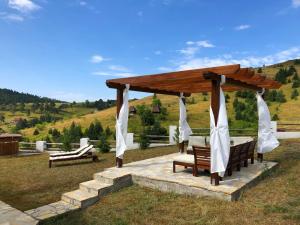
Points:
(294, 94)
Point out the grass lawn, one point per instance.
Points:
(275, 200)
(27, 182)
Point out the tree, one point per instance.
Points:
(108, 132)
(145, 114)
(143, 140)
(259, 70)
(2, 118)
(36, 132)
(294, 94)
(275, 117)
(103, 144)
(296, 84)
(155, 101)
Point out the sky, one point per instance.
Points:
(67, 49)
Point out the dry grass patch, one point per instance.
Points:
(27, 182)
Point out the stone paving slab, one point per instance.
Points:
(51, 210)
(158, 173)
(12, 216)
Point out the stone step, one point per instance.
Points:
(80, 198)
(51, 210)
(121, 178)
(96, 187)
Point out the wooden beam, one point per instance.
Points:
(146, 89)
(229, 69)
(216, 77)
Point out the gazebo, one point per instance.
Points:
(185, 83)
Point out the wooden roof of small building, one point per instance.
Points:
(197, 81)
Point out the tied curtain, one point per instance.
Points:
(266, 140)
(184, 129)
(121, 125)
(219, 138)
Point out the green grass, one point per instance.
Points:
(27, 182)
(274, 200)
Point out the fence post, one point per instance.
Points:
(41, 146)
(84, 141)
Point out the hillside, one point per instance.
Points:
(198, 115)
(8, 96)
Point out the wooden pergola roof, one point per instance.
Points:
(196, 81)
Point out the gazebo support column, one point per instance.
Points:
(260, 156)
(215, 105)
(119, 161)
(181, 145)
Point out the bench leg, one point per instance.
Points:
(260, 157)
(215, 179)
(174, 167)
(246, 163)
(238, 167)
(229, 172)
(50, 163)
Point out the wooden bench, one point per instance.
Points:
(238, 156)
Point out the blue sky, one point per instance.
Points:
(66, 49)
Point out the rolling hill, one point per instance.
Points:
(198, 116)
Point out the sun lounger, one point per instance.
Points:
(69, 153)
(84, 154)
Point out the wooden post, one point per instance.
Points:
(119, 161)
(181, 145)
(260, 156)
(215, 106)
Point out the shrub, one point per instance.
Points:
(143, 140)
(36, 132)
(103, 144)
(275, 117)
(294, 94)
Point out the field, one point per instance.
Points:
(27, 182)
(275, 200)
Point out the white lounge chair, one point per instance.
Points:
(84, 154)
(77, 151)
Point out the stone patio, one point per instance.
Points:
(157, 173)
(12, 216)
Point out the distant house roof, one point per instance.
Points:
(10, 135)
(132, 109)
(156, 109)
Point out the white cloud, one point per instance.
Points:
(113, 74)
(24, 6)
(249, 61)
(296, 3)
(119, 68)
(157, 52)
(194, 46)
(97, 59)
(11, 17)
(164, 69)
(140, 13)
(82, 3)
(242, 27)
(204, 44)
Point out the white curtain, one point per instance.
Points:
(219, 139)
(121, 125)
(184, 129)
(267, 140)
